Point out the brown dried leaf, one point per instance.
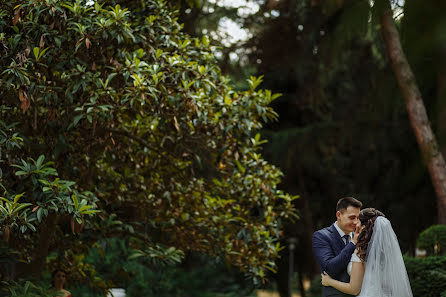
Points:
(24, 100)
(42, 42)
(16, 17)
(79, 41)
(176, 124)
(87, 43)
(21, 57)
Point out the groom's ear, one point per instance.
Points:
(338, 214)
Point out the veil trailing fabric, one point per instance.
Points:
(385, 274)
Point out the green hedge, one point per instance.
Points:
(433, 240)
(427, 276)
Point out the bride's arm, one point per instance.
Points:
(353, 287)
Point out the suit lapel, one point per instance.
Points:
(337, 240)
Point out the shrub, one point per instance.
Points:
(433, 240)
(427, 275)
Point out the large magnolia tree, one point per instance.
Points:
(113, 123)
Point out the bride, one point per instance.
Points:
(376, 267)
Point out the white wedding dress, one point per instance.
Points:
(354, 258)
(385, 274)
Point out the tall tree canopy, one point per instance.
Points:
(117, 124)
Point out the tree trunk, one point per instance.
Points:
(416, 111)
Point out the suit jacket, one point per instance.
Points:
(332, 256)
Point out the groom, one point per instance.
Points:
(333, 246)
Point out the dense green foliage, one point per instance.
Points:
(198, 275)
(433, 240)
(139, 124)
(25, 288)
(427, 275)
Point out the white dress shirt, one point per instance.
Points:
(341, 233)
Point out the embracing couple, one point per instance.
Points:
(359, 254)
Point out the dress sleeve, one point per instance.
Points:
(355, 258)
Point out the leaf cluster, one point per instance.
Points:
(433, 240)
(139, 117)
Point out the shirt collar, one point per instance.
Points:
(341, 233)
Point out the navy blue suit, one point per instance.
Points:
(333, 256)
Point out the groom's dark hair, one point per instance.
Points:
(345, 202)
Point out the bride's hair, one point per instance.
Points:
(367, 216)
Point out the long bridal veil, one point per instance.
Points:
(385, 274)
